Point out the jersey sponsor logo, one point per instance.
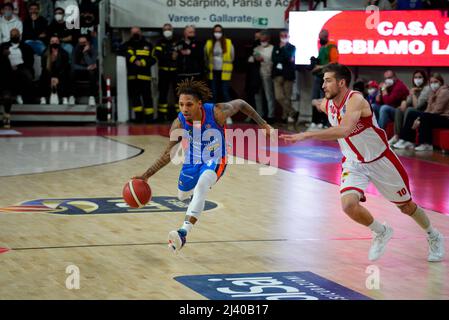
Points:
(269, 286)
(83, 206)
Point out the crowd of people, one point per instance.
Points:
(45, 53)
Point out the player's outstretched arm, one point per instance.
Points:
(164, 159)
(225, 110)
(344, 129)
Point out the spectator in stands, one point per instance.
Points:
(416, 100)
(165, 53)
(16, 71)
(47, 9)
(89, 22)
(84, 67)
(436, 115)
(34, 29)
(190, 62)
(328, 53)
(58, 27)
(8, 22)
(372, 90)
(263, 54)
(19, 8)
(219, 54)
(284, 75)
(381, 4)
(392, 92)
(139, 61)
(55, 75)
(360, 85)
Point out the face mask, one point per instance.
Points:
(136, 37)
(54, 46)
(264, 44)
(8, 14)
(218, 35)
(15, 39)
(418, 81)
(371, 91)
(59, 17)
(191, 38)
(389, 82)
(435, 86)
(284, 40)
(167, 33)
(323, 41)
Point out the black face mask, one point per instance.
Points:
(54, 46)
(135, 37)
(15, 39)
(323, 41)
(191, 38)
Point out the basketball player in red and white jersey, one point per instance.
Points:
(367, 157)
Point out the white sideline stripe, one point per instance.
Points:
(130, 184)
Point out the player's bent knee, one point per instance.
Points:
(350, 204)
(408, 208)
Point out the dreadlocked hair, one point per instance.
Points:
(198, 89)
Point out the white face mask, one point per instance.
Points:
(264, 44)
(389, 82)
(418, 81)
(59, 17)
(218, 35)
(284, 40)
(435, 86)
(167, 33)
(371, 91)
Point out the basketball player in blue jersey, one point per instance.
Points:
(202, 125)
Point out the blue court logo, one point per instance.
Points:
(269, 286)
(80, 206)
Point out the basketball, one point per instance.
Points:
(137, 193)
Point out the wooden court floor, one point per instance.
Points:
(280, 223)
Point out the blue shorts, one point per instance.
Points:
(190, 173)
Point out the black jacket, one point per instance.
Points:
(192, 64)
(59, 68)
(32, 29)
(163, 53)
(138, 50)
(5, 64)
(284, 61)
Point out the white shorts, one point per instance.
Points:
(386, 173)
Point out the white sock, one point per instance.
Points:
(187, 226)
(431, 232)
(377, 227)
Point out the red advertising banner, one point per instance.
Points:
(380, 38)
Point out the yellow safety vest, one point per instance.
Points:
(227, 68)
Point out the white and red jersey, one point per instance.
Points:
(367, 142)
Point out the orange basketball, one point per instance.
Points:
(137, 193)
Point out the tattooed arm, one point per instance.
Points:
(225, 110)
(164, 159)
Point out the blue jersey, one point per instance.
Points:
(207, 142)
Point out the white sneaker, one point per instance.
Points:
(65, 101)
(436, 247)
(43, 100)
(72, 100)
(229, 121)
(424, 147)
(398, 144)
(290, 120)
(379, 243)
(54, 99)
(393, 140)
(405, 145)
(19, 99)
(92, 101)
(320, 126)
(177, 239)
